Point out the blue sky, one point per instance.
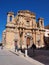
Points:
(39, 7)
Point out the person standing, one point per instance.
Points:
(2, 46)
(16, 46)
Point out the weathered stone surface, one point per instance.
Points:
(23, 27)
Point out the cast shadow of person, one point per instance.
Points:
(31, 50)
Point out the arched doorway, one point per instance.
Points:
(28, 41)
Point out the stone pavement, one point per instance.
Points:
(8, 58)
(40, 55)
(34, 62)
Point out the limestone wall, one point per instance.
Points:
(10, 36)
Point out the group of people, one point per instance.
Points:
(16, 46)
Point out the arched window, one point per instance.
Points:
(41, 23)
(10, 18)
(28, 23)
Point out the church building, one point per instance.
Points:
(23, 29)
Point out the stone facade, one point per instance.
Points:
(46, 32)
(24, 29)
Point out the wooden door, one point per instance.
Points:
(28, 41)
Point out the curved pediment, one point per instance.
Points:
(26, 13)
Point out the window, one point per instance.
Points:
(10, 18)
(41, 23)
(28, 23)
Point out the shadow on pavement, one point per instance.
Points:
(39, 55)
(14, 53)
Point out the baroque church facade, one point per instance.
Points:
(24, 29)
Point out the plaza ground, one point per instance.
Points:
(8, 58)
(40, 55)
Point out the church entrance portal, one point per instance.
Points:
(28, 41)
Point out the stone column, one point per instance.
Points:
(42, 41)
(8, 18)
(12, 17)
(18, 38)
(39, 24)
(24, 41)
(34, 38)
(24, 38)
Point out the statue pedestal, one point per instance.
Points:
(26, 52)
